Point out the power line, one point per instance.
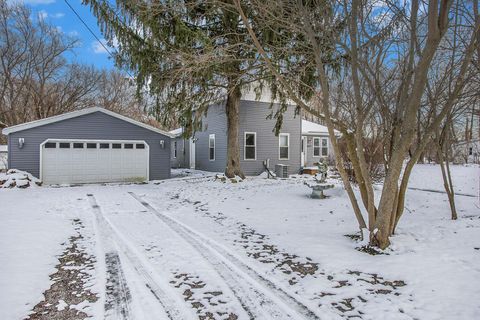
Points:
(93, 33)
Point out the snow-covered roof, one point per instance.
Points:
(176, 132)
(312, 128)
(69, 115)
(3, 148)
(248, 94)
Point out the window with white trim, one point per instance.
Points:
(250, 146)
(211, 147)
(174, 149)
(324, 147)
(320, 147)
(283, 145)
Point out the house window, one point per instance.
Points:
(324, 147)
(211, 147)
(316, 147)
(320, 147)
(91, 146)
(104, 145)
(128, 146)
(284, 144)
(174, 149)
(250, 148)
(470, 151)
(140, 146)
(116, 146)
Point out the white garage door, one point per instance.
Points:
(87, 161)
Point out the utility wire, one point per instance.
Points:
(93, 33)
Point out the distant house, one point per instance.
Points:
(3, 157)
(299, 143)
(467, 151)
(89, 145)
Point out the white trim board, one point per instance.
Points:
(74, 114)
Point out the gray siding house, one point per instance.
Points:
(300, 143)
(89, 145)
(256, 139)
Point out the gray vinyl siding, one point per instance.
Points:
(183, 153)
(214, 122)
(252, 118)
(311, 160)
(95, 125)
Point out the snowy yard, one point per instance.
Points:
(195, 248)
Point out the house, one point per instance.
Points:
(181, 152)
(315, 143)
(299, 144)
(3, 157)
(89, 145)
(467, 151)
(257, 140)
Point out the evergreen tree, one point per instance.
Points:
(189, 54)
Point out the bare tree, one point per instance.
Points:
(36, 80)
(386, 53)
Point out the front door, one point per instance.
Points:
(303, 157)
(192, 153)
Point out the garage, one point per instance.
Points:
(89, 146)
(77, 161)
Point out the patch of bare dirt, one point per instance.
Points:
(255, 245)
(69, 287)
(207, 303)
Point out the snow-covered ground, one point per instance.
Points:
(195, 248)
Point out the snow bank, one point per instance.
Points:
(19, 179)
(266, 175)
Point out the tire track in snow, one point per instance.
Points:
(229, 266)
(186, 179)
(117, 300)
(109, 231)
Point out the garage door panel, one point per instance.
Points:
(93, 164)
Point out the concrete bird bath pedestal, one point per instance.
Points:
(318, 188)
(319, 185)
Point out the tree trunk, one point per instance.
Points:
(448, 184)
(379, 237)
(447, 177)
(233, 149)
